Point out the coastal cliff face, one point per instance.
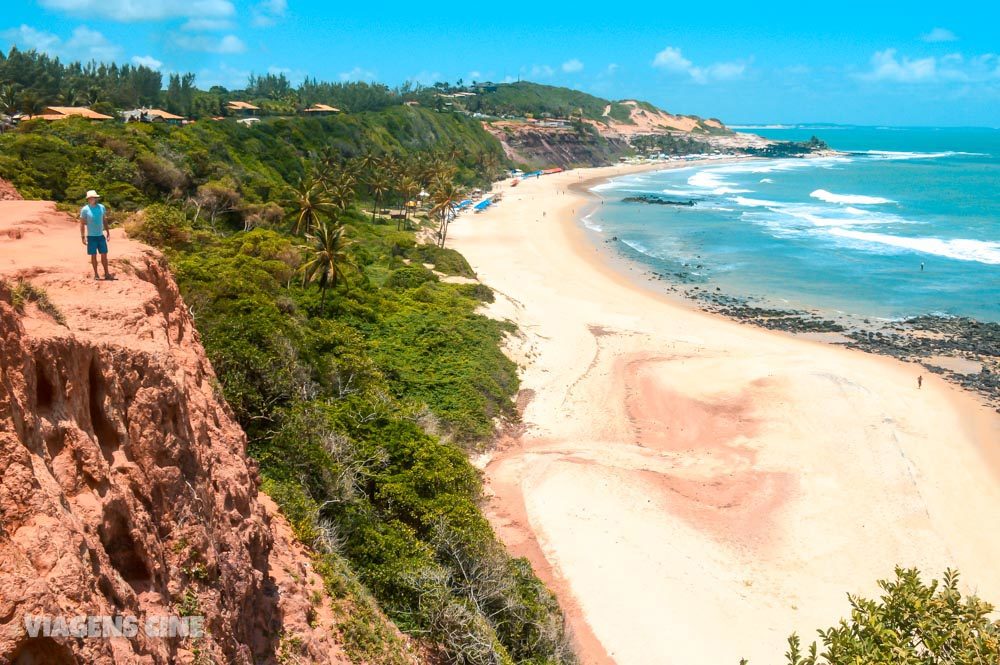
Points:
(556, 146)
(125, 489)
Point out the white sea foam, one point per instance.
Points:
(796, 218)
(756, 203)
(823, 218)
(707, 180)
(852, 199)
(898, 154)
(589, 223)
(639, 247)
(767, 180)
(713, 181)
(962, 249)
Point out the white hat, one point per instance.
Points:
(91, 194)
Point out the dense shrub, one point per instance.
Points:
(160, 225)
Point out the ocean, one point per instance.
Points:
(907, 222)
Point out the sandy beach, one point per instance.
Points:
(695, 489)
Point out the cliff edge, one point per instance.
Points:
(125, 490)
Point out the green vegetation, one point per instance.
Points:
(30, 81)
(24, 292)
(361, 379)
(913, 623)
(667, 144)
(355, 418)
(226, 172)
(523, 98)
(789, 148)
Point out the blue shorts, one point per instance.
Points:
(97, 245)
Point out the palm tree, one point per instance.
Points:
(379, 185)
(30, 103)
(367, 161)
(310, 203)
(327, 258)
(342, 193)
(409, 188)
(445, 195)
(8, 99)
(491, 166)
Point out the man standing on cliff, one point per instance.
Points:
(94, 232)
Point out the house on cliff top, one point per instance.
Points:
(152, 115)
(244, 109)
(63, 112)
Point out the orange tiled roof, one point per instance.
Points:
(243, 106)
(57, 112)
(318, 108)
(166, 115)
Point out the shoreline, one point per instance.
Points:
(666, 482)
(908, 339)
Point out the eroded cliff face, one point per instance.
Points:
(125, 489)
(544, 147)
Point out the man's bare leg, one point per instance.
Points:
(104, 262)
(93, 263)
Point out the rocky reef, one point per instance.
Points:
(652, 199)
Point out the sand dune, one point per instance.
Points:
(695, 489)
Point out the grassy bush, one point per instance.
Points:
(24, 292)
(160, 225)
(913, 623)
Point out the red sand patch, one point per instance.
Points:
(724, 493)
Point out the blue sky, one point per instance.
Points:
(899, 63)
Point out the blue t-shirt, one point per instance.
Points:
(94, 217)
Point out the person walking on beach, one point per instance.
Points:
(94, 232)
(920, 381)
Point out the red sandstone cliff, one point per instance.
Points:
(124, 484)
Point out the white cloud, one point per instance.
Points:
(207, 24)
(720, 71)
(358, 74)
(672, 60)
(208, 44)
(89, 44)
(84, 44)
(268, 12)
(475, 75)
(27, 38)
(611, 69)
(225, 75)
(888, 66)
(939, 35)
(541, 71)
(572, 66)
(146, 61)
(128, 11)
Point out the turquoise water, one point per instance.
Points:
(841, 234)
